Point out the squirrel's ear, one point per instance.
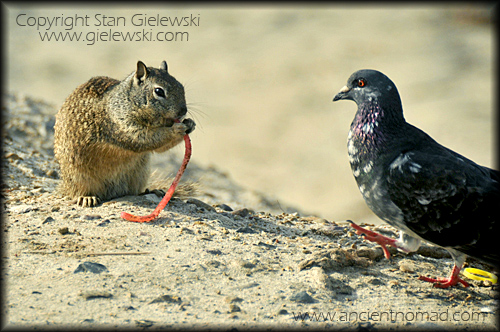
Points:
(164, 66)
(141, 73)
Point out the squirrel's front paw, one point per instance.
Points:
(190, 125)
(183, 128)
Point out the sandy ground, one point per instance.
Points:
(260, 82)
(225, 257)
(265, 237)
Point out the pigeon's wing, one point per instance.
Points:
(447, 199)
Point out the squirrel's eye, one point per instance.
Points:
(160, 92)
(361, 82)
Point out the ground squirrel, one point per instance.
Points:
(107, 129)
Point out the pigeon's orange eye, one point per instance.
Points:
(361, 82)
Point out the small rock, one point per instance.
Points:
(233, 299)
(153, 198)
(52, 174)
(90, 295)
(47, 220)
(242, 212)
(246, 264)
(250, 285)
(302, 297)
(90, 217)
(20, 209)
(200, 204)
(214, 252)
(167, 299)
(282, 312)
(376, 282)
(13, 156)
(372, 253)
(144, 323)
(213, 263)
(63, 230)
(224, 207)
(38, 190)
(91, 267)
(129, 308)
(265, 245)
(246, 230)
(185, 230)
(433, 252)
(234, 308)
(406, 265)
(338, 286)
(103, 223)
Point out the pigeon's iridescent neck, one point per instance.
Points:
(365, 131)
(367, 120)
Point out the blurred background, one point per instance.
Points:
(260, 80)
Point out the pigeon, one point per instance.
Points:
(425, 190)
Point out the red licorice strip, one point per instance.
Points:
(170, 192)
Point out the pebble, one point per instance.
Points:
(153, 198)
(434, 252)
(234, 308)
(63, 230)
(52, 174)
(406, 265)
(90, 295)
(241, 212)
(167, 299)
(47, 220)
(372, 253)
(213, 263)
(105, 222)
(246, 230)
(283, 312)
(245, 264)
(302, 297)
(90, 217)
(224, 207)
(22, 209)
(91, 267)
(200, 204)
(376, 282)
(214, 252)
(250, 285)
(233, 299)
(265, 245)
(12, 156)
(144, 323)
(129, 308)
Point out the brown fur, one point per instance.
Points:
(107, 129)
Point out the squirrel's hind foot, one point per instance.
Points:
(88, 201)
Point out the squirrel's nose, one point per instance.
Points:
(183, 110)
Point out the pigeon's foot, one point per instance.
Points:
(452, 280)
(376, 237)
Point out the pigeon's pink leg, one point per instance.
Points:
(452, 280)
(384, 241)
(376, 237)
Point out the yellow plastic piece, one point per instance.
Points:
(477, 274)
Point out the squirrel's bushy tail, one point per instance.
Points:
(160, 181)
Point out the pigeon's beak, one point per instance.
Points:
(343, 94)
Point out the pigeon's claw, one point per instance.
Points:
(452, 280)
(376, 237)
